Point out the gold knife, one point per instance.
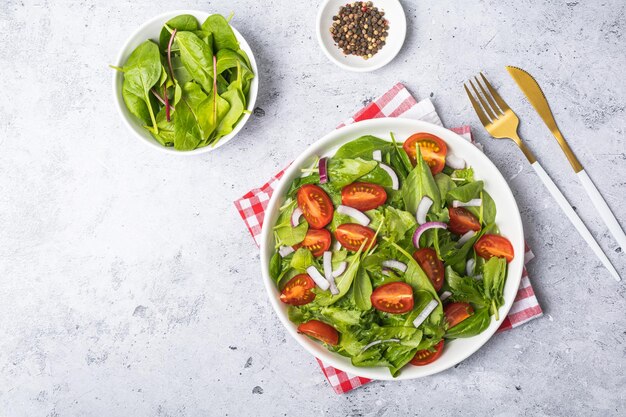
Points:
(534, 94)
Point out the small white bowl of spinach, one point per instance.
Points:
(165, 88)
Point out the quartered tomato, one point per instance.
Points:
(317, 241)
(462, 221)
(426, 356)
(351, 236)
(297, 291)
(394, 298)
(489, 246)
(431, 265)
(320, 331)
(316, 205)
(433, 150)
(456, 313)
(363, 196)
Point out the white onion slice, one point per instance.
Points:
(425, 227)
(341, 268)
(377, 155)
(467, 236)
(444, 295)
(357, 215)
(320, 281)
(385, 272)
(337, 245)
(285, 250)
(328, 272)
(455, 162)
(392, 263)
(422, 209)
(479, 276)
(469, 267)
(423, 315)
(474, 202)
(395, 182)
(295, 217)
(378, 342)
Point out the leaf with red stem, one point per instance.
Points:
(214, 89)
(167, 103)
(169, 53)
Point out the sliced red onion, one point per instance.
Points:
(467, 236)
(469, 267)
(444, 295)
(455, 162)
(378, 342)
(422, 209)
(425, 227)
(320, 281)
(328, 272)
(357, 215)
(285, 250)
(341, 268)
(323, 168)
(423, 315)
(474, 202)
(295, 217)
(395, 182)
(393, 264)
(377, 155)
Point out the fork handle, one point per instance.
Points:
(603, 208)
(573, 217)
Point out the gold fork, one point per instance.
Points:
(501, 123)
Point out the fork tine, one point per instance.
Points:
(483, 102)
(489, 99)
(479, 111)
(495, 94)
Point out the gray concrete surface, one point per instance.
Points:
(129, 286)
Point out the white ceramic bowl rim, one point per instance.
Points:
(508, 220)
(139, 36)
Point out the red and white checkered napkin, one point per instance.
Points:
(396, 102)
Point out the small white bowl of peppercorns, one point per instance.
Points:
(363, 35)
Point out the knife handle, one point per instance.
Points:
(603, 208)
(573, 217)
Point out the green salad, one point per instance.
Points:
(188, 89)
(385, 251)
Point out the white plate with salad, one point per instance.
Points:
(392, 249)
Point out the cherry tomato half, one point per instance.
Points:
(351, 236)
(489, 246)
(317, 241)
(394, 298)
(433, 150)
(431, 265)
(462, 221)
(316, 205)
(363, 196)
(297, 291)
(426, 356)
(457, 312)
(320, 331)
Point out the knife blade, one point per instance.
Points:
(534, 94)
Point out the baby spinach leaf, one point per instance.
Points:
(494, 277)
(136, 105)
(187, 135)
(197, 57)
(465, 192)
(362, 290)
(343, 282)
(223, 35)
(234, 98)
(445, 184)
(418, 184)
(471, 326)
(362, 147)
(302, 259)
(181, 22)
(487, 212)
(285, 234)
(342, 172)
